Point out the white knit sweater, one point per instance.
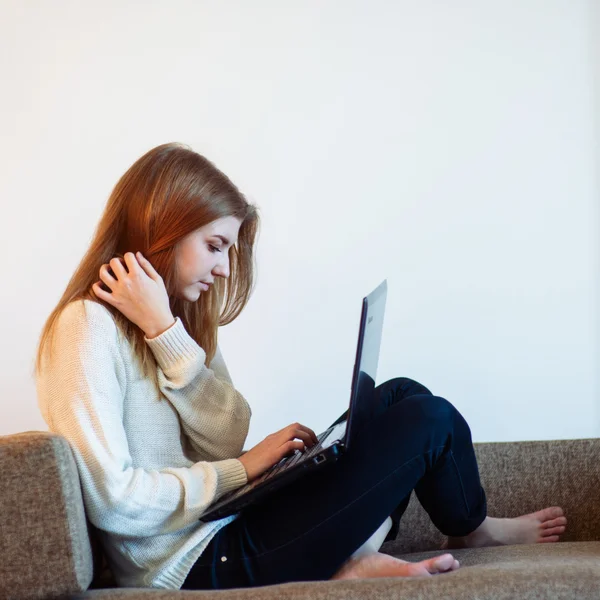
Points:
(150, 460)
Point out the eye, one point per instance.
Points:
(213, 248)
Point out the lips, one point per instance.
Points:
(204, 286)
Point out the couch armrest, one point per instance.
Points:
(519, 478)
(44, 538)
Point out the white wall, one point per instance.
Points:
(450, 147)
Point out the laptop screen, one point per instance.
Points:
(367, 358)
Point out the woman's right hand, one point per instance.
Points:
(274, 447)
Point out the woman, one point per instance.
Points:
(130, 373)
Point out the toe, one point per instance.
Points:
(439, 564)
(554, 523)
(553, 531)
(549, 539)
(546, 514)
(553, 512)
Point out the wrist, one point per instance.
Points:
(154, 331)
(241, 459)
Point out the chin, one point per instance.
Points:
(190, 294)
(193, 296)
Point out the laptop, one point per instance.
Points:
(338, 438)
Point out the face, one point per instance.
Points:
(203, 255)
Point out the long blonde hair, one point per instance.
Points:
(165, 195)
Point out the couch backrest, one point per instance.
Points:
(523, 477)
(45, 537)
(49, 548)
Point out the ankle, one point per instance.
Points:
(482, 536)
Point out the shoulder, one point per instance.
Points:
(84, 335)
(86, 315)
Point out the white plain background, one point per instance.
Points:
(451, 147)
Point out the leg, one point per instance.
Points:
(307, 530)
(390, 393)
(387, 394)
(542, 526)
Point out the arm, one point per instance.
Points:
(214, 415)
(221, 371)
(81, 394)
(217, 364)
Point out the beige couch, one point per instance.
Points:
(49, 550)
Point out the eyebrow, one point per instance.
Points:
(223, 239)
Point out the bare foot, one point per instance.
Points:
(383, 565)
(543, 526)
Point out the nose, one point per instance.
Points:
(222, 268)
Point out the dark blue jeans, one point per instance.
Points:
(307, 530)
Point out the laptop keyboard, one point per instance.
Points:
(325, 440)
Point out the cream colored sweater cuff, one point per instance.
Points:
(231, 475)
(174, 344)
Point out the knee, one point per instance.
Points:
(431, 409)
(405, 386)
(400, 382)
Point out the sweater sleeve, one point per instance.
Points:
(80, 393)
(214, 415)
(217, 364)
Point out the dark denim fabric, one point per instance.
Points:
(307, 530)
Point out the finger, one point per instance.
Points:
(145, 263)
(132, 264)
(291, 431)
(291, 446)
(118, 268)
(308, 430)
(312, 434)
(106, 276)
(101, 294)
(304, 436)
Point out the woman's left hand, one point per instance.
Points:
(138, 292)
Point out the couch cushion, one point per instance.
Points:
(522, 477)
(45, 537)
(550, 571)
(44, 540)
(534, 554)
